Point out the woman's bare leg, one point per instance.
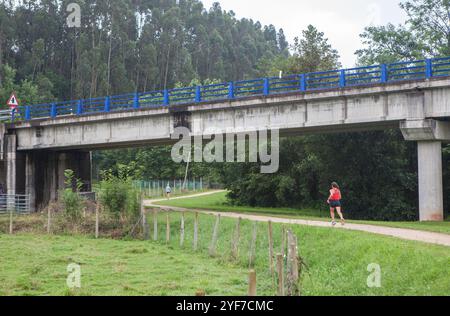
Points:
(338, 209)
(332, 213)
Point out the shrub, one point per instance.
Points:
(73, 203)
(119, 197)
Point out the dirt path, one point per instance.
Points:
(402, 233)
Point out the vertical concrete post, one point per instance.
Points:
(11, 156)
(53, 176)
(11, 169)
(84, 166)
(431, 205)
(30, 182)
(62, 165)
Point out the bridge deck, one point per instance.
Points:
(311, 82)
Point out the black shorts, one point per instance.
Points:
(335, 203)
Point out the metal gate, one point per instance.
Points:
(18, 203)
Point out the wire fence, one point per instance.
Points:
(157, 188)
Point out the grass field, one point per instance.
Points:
(337, 262)
(218, 202)
(36, 265)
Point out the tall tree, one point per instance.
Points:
(426, 33)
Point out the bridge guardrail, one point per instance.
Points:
(5, 115)
(333, 79)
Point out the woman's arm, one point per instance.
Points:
(329, 198)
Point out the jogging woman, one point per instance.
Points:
(334, 200)
(168, 191)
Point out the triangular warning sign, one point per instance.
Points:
(12, 101)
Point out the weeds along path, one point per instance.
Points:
(402, 233)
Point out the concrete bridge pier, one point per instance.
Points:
(40, 173)
(429, 135)
(45, 174)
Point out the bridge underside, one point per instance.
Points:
(40, 173)
(40, 150)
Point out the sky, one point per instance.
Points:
(342, 21)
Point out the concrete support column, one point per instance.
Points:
(429, 135)
(84, 172)
(431, 201)
(53, 176)
(62, 165)
(30, 180)
(11, 156)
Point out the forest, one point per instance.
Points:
(143, 45)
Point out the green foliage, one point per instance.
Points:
(149, 163)
(311, 52)
(376, 171)
(118, 196)
(71, 182)
(425, 33)
(129, 46)
(388, 44)
(27, 91)
(73, 203)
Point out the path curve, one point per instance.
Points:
(402, 233)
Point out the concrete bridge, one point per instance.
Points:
(36, 151)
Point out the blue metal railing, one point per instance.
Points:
(334, 79)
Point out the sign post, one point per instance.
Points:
(13, 104)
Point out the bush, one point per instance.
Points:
(119, 197)
(73, 203)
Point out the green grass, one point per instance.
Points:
(337, 262)
(36, 265)
(218, 202)
(172, 195)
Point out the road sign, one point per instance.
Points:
(12, 101)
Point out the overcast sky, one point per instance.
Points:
(341, 20)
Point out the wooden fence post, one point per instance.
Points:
(280, 272)
(283, 240)
(212, 247)
(294, 270)
(144, 221)
(182, 230)
(196, 232)
(167, 228)
(155, 224)
(252, 253)
(292, 261)
(271, 250)
(252, 283)
(235, 240)
(97, 218)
